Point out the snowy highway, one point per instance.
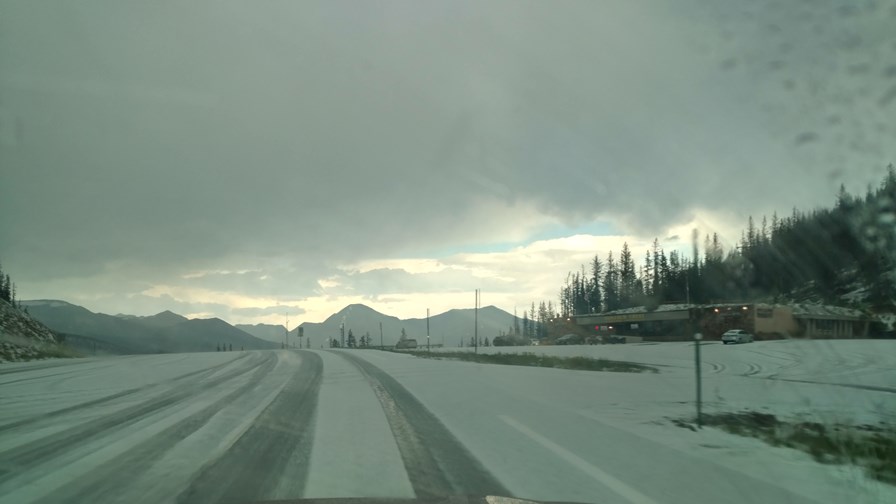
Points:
(264, 425)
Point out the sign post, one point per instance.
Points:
(697, 338)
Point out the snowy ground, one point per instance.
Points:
(239, 427)
(784, 375)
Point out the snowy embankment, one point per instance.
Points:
(23, 338)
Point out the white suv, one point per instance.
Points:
(737, 336)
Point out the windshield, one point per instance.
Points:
(280, 250)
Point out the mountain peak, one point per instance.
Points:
(356, 306)
(161, 319)
(168, 315)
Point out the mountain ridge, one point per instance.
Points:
(167, 331)
(163, 332)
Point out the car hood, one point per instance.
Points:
(455, 499)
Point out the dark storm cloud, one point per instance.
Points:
(288, 138)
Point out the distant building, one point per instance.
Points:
(766, 321)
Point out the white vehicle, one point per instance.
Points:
(737, 336)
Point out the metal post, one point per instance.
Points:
(476, 323)
(427, 330)
(697, 338)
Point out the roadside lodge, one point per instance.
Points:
(671, 322)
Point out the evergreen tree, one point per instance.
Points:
(542, 319)
(751, 233)
(627, 277)
(647, 275)
(5, 288)
(656, 287)
(664, 281)
(595, 299)
(611, 285)
(350, 342)
(533, 320)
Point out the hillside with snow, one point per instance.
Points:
(23, 338)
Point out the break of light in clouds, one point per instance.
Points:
(239, 159)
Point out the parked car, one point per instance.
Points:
(569, 339)
(509, 340)
(405, 344)
(736, 336)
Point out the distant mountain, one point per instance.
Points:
(87, 330)
(459, 323)
(169, 332)
(267, 332)
(160, 333)
(198, 335)
(449, 328)
(163, 319)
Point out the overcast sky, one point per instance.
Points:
(249, 160)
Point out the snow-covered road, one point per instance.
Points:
(241, 427)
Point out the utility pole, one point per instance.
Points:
(287, 331)
(342, 335)
(692, 326)
(427, 330)
(381, 337)
(476, 323)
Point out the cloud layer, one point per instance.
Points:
(234, 156)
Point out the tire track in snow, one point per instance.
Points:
(37, 367)
(716, 367)
(276, 447)
(198, 374)
(752, 369)
(437, 464)
(45, 376)
(105, 482)
(25, 457)
(874, 388)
